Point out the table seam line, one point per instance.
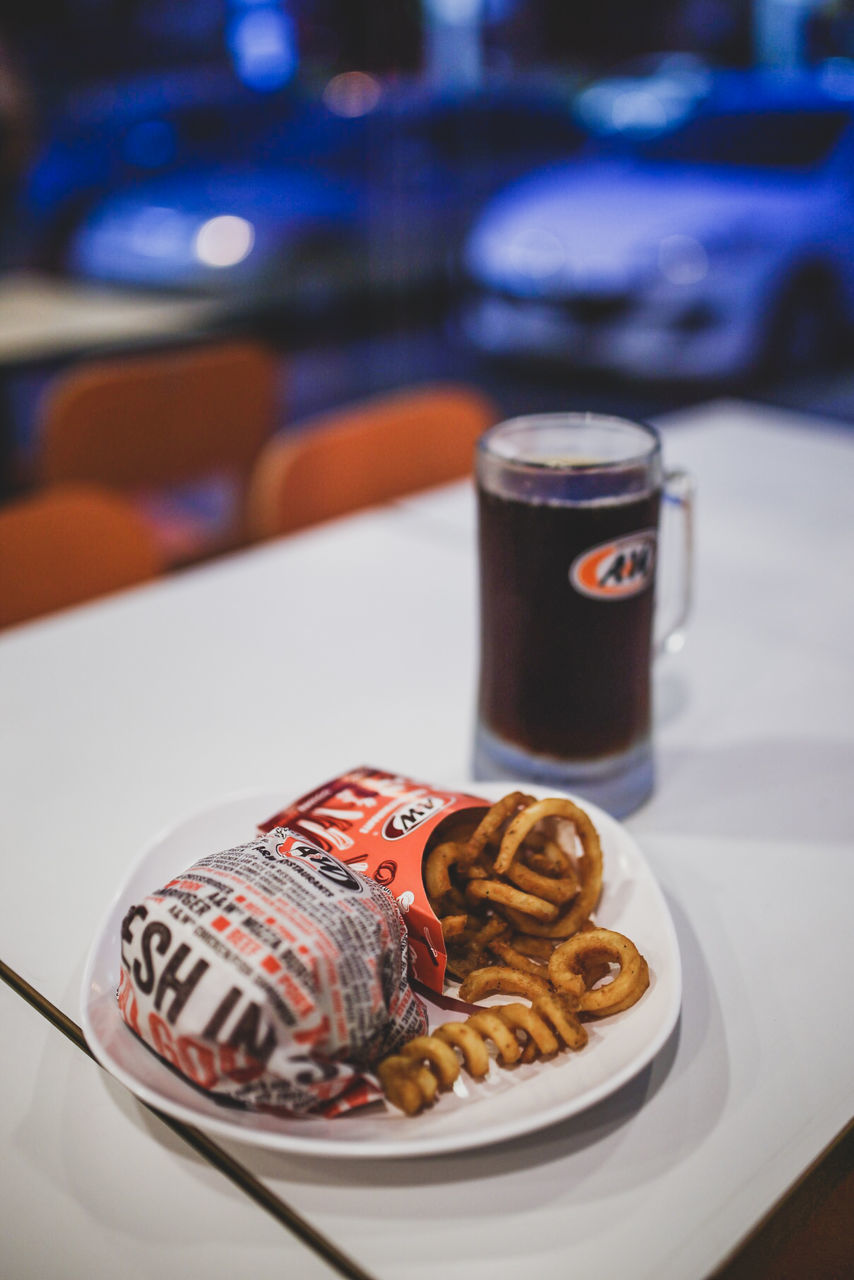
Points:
(204, 1147)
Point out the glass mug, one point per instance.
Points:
(568, 520)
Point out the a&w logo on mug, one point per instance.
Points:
(617, 569)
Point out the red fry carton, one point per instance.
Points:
(381, 824)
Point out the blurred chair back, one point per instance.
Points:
(179, 430)
(369, 453)
(68, 544)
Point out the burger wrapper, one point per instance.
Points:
(271, 975)
(381, 824)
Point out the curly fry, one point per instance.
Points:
(500, 978)
(550, 859)
(565, 969)
(529, 1052)
(591, 868)
(634, 995)
(460, 963)
(438, 1055)
(489, 1024)
(556, 889)
(538, 948)
(509, 895)
(523, 1017)
(406, 1084)
(437, 866)
(562, 926)
(493, 819)
(564, 1021)
(453, 926)
(494, 928)
(463, 1037)
(506, 952)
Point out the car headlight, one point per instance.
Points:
(224, 241)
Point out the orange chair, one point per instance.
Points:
(179, 431)
(358, 456)
(69, 544)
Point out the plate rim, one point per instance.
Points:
(371, 1148)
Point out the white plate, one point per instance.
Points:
(507, 1103)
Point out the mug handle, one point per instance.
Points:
(675, 575)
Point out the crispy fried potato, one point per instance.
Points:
(500, 978)
(564, 1021)
(495, 817)
(490, 1025)
(438, 1055)
(465, 1038)
(508, 955)
(556, 889)
(508, 895)
(437, 867)
(590, 867)
(506, 887)
(565, 969)
(522, 1017)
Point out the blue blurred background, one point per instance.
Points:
(621, 205)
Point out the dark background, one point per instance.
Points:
(53, 53)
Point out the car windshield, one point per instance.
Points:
(788, 140)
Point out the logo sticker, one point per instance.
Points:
(323, 863)
(616, 570)
(411, 815)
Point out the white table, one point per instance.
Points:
(117, 718)
(44, 317)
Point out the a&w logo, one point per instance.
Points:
(615, 570)
(411, 815)
(323, 863)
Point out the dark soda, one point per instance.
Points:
(565, 672)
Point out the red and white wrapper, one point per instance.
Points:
(271, 975)
(382, 824)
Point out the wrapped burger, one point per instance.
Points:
(272, 975)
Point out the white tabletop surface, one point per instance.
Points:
(92, 1184)
(356, 644)
(43, 317)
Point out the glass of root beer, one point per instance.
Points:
(569, 508)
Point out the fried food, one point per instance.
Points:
(492, 1027)
(567, 974)
(500, 978)
(494, 819)
(454, 926)
(407, 1084)
(591, 867)
(513, 892)
(514, 959)
(538, 948)
(556, 889)
(413, 1079)
(439, 1056)
(510, 896)
(437, 879)
(471, 1045)
(540, 1035)
(563, 925)
(566, 1024)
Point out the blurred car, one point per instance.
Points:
(367, 189)
(650, 92)
(101, 137)
(713, 248)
